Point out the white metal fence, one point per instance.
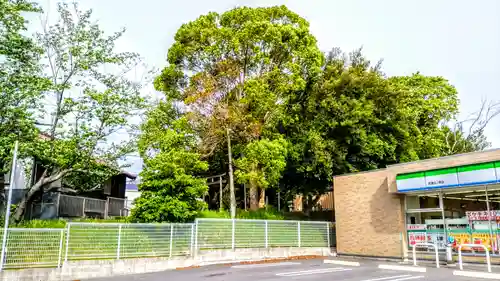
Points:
(231, 234)
(93, 241)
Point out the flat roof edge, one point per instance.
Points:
(443, 157)
(418, 161)
(358, 173)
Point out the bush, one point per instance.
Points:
(41, 224)
(61, 223)
(261, 214)
(214, 214)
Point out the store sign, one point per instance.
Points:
(477, 174)
(497, 170)
(441, 178)
(417, 237)
(483, 173)
(483, 215)
(416, 227)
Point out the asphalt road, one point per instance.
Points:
(310, 270)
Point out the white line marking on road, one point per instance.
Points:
(264, 265)
(395, 278)
(407, 278)
(403, 268)
(348, 263)
(484, 275)
(387, 277)
(314, 271)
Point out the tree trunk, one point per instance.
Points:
(254, 197)
(231, 179)
(21, 207)
(262, 199)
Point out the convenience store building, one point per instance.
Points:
(449, 200)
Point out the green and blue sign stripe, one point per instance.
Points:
(469, 175)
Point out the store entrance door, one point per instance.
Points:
(425, 223)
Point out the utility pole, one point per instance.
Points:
(9, 199)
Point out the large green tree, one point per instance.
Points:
(21, 81)
(88, 105)
(171, 189)
(232, 69)
(353, 118)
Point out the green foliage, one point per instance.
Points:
(352, 118)
(91, 104)
(255, 77)
(76, 51)
(61, 223)
(262, 163)
(171, 189)
(21, 81)
(232, 69)
(260, 214)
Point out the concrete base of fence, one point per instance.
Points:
(75, 270)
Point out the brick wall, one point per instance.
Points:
(369, 219)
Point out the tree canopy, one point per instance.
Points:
(171, 190)
(254, 86)
(59, 74)
(21, 81)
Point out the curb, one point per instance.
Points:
(347, 263)
(403, 268)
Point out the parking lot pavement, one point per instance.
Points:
(310, 270)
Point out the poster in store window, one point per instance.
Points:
(483, 215)
(483, 239)
(460, 238)
(417, 237)
(437, 238)
(416, 234)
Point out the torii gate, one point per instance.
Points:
(217, 180)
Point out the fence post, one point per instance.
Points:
(58, 203)
(171, 238)
(4, 249)
(267, 236)
(60, 249)
(196, 238)
(119, 242)
(106, 208)
(232, 235)
(192, 240)
(298, 232)
(83, 207)
(328, 234)
(67, 242)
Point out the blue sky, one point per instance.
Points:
(459, 40)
